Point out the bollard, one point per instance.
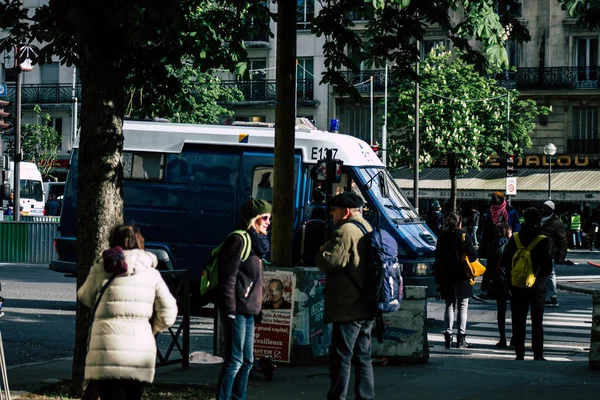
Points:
(595, 334)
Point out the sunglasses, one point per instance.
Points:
(266, 218)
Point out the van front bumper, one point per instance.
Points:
(67, 267)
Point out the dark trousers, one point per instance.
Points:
(501, 314)
(520, 302)
(120, 389)
(351, 345)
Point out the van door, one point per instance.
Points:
(256, 180)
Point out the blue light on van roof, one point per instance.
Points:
(334, 125)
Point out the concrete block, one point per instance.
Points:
(405, 336)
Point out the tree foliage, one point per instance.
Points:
(392, 31)
(40, 142)
(200, 101)
(463, 117)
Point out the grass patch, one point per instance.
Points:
(152, 392)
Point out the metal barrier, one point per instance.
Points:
(28, 241)
(178, 282)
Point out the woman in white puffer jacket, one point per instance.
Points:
(135, 306)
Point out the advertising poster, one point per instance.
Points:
(272, 337)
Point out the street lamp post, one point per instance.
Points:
(550, 150)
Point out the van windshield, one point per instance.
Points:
(31, 190)
(395, 204)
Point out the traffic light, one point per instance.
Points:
(4, 114)
(511, 163)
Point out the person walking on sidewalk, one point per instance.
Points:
(452, 280)
(498, 283)
(521, 299)
(473, 225)
(554, 230)
(135, 304)
(344, 259)
(240, 289)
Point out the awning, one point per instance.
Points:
(568, 185)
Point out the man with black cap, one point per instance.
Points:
(345, 259)
(554, 230)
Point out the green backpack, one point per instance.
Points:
(522, 275)
(210, 274)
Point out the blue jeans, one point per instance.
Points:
(351, 344)
(239, 357)
(551, 283)
(473, 234)
(576, 238)
(461, 318)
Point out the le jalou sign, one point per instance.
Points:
(582, 161)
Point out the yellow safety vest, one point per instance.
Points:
(575, 222)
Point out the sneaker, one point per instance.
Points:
(554, 302)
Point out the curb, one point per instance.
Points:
(575, 289)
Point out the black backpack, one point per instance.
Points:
(383, 288)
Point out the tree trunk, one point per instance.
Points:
(453, 181)
(285, 121)
(100, 180)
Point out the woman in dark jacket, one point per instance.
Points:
(498, 283)
(451, 278)
(522, 298)
(240, 284)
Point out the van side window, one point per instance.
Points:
(262, 183)
(143, 165)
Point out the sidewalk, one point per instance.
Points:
(450, 374)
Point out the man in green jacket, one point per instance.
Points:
(344, 258)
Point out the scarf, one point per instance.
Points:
(497, 212)
(260, 243)
(545, 219)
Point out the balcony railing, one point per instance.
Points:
(589, 146)
(44, 94)
(361, 80)
(264, 90)
(551, 78)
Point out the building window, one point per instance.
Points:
(305, 11)
(57, 124)
(364, 14)
(585, 58)
(49, 74)
(304, 78)
(585, 123)
(584, 138)
(428, 45)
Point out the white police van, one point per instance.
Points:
(184, 185)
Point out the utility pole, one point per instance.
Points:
(417, 106)
(17, 153)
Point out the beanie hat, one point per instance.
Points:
(499, 194)
(549, 204)
(254, 208)
(346, 200)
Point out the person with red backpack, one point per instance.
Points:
(524, 298)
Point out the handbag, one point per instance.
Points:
(92, 390)
(473, 269)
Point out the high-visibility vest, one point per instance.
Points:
(565, 220)
(575, 222)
